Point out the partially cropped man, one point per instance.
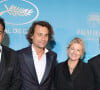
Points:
(9, 67)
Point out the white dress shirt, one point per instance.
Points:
(40, 65)
(0, 52)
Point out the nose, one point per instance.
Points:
(43, 37)
(74, 51)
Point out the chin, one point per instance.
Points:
(75, 59)
(41, 47)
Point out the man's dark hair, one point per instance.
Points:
(2, 23)
(41, 23)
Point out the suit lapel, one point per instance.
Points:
(48, 66)
(30, 63)
(4, 61)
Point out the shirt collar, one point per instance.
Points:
(33, 50)
(0, 47)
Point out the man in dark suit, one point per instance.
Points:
(9, 67)
(37, 62)
(95, 66)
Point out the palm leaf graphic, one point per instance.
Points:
(16, 11)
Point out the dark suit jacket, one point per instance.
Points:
(28, 73)
(95, 65)
(9, 70)
(80, 79)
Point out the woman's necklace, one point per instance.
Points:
(71, 69)
(71, 66)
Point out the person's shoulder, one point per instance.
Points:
(8, 49)
(85, 64)
(82, 63)
(52, 52)
(61, 64)
(95, 58)
(23, 50)
(60, 67)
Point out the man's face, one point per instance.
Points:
(40, 36)
(1, 33)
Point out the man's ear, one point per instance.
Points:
(32, 37)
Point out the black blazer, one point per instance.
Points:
(80, 79)
(28, 73)
(95, 65)
(9, 70)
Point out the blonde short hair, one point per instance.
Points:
(79, 41)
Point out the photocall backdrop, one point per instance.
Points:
(69, 19)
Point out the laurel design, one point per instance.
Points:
(16, 11)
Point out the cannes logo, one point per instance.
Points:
(20, 13)
(16, 11)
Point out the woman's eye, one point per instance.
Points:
(72, 48)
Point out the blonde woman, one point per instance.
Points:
(73, 74)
